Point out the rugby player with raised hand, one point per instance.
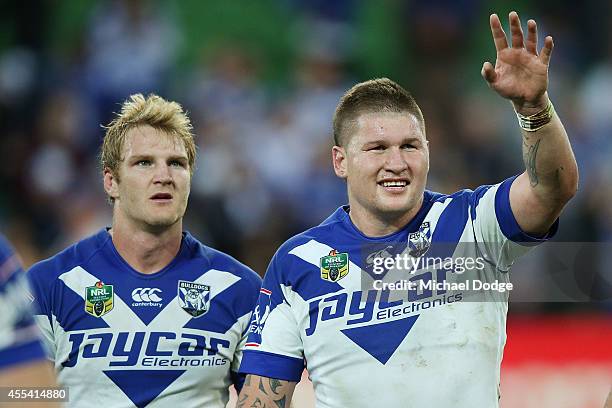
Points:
(363, 347)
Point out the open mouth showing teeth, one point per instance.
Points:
(394, 183)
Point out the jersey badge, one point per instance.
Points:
(194, 298)
(420, 241)
(259, 317)
(99, 299)
(334, 266)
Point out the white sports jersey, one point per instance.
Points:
(363, 347)
(120, 338)
(20, 341)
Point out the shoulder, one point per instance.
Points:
(461, 195)
(291, 262)
(74, 255)
(462, 198)
(288, 248)
(223, 262)
(487, 198)
(324, 232)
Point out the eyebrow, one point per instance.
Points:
(385, 141)
(178, 157)
(150, 157)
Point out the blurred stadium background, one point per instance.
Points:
(261, 80)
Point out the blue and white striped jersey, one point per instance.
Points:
(19, 338)
(120, 338)
(416, 348)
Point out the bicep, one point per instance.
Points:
(534, 215)
(265, 392)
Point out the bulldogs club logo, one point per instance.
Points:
(419, 241)
(194, 298)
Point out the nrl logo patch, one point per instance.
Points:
(194, 298)
(419, 242)
(334, 266)
(99, 299)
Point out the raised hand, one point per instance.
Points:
(520, 73)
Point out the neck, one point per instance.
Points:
(379, 225)
(147, 251)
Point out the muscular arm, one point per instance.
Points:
(550, 179)
(263, 392)
(520, 75)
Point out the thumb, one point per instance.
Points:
(488, 72)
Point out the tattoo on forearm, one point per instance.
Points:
(243, 403)
(274, 384)
(530, 153)
(270, 390)
(281, 402)
(261, 386)
(242, 399)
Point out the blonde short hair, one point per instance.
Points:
(153, 111)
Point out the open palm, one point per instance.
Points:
(520, 73)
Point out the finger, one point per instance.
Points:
(532, 37)
(547, 49)
(499, 36)
(488, 72)
(516, 30)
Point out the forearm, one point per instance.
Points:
(262, 392)
(549, 161)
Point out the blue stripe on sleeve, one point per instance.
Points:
(507, 222)
(272, 365)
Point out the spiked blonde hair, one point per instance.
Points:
(153, 111)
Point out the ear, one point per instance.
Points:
(339, 161)
(111, 184)
(427, 153)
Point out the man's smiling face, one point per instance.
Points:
(385, 163)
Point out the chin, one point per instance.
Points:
(163, 222)
(398, 206)
(395, 212)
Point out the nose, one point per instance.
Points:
(163, 174)
(395, 161)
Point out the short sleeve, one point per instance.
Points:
(19, 338)
(248, 300)
(274, 348)
(496, 230)
(41, 292)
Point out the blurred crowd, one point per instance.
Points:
(260, 80)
